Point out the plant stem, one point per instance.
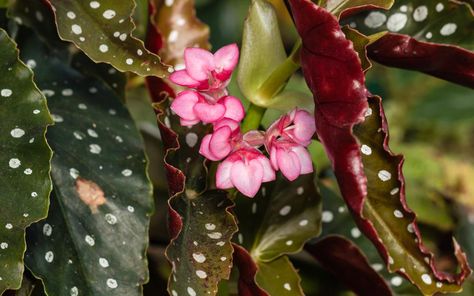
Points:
(271, 87)
(253, 118)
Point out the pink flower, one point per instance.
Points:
(206, 71)
(193, 107)
(245, 169)
(286, 141)
(218, 145)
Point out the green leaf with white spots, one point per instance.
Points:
(281, 218)
(94, 240)
(201, 223)
(201, 255)
(289, 214)
(24, 160)
(397, 235)
(443, 21)
(262, 51)
(103, 30)
(279, 277)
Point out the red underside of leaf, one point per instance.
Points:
(333, 72)
(343, 259)
(448, 62)
(160, 91)
(247, 271)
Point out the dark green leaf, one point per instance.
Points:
(279, 277)
(278, 221)
(95, 237)
(282, 207)
(443, 21)
(103, 30)
(25, 160)
(201, 255)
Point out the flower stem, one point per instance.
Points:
(271, 87)
(253, 118)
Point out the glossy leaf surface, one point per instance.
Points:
(338, 7)
(290, 214)
(345, 261)
(424, 36)
(25, 160)
(369, 174)
(103, 30)
(95, 237)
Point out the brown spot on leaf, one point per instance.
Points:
(90, 193)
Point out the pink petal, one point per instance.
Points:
(268, 172)
(304, 127)
(247, 178)
(273, 158)
(223, 179)
(232, 124)
(254, 138)
(181, 77)
(183, 105)
(289, 164)
(227, 57)
(189, 123)
(220, 142)
(234, 108)
(204, 149)
(199, 63)
(305, 159)
(209, 112)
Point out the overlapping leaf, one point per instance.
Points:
(25, 160)
(103, 30)
(338, 7)
(342, 258)
(369, 175)
(421, 38)
(201, 225)
(95, 237)
(289, 215)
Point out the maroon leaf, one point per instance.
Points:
(371, 182)
(247, 271)
(344, 259)
(448, 62)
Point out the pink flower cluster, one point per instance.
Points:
(243, 166)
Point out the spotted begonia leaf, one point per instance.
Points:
(289, 214)
(262, 50)
(25, 160)
(421, 37)
(287, 279)
(94, 240)
(369, 175)
(338, 7)
(179, 27)
(345, 261)
(103, 30)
